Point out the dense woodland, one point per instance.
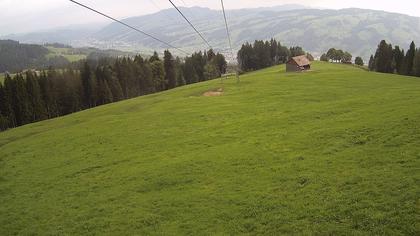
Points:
(34, 96)
(15, 57)
(264, 54)
(388, 59)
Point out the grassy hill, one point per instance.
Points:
(333, 151)
(66, 53)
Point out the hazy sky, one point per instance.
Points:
(32, 15)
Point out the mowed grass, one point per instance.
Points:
(335, 151)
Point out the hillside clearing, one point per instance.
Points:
(332, 152)
(66, 53)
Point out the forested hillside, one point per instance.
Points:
(15, 56)
(35, 96)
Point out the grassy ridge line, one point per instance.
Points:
(327, 152)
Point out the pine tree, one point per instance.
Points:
(158, 72)
(189, 71)
(88, 86)
(210, 71)
(210, 55)
(21, 101)
(399, 59)
(220, 63)
(36, 102)
(384, 57)
(180, 79)
(169, 65)
(8, 90)
(296, 51)
(416, 64)
(104, 94)
(113, 83)
(4, 123)
(372, 63)
(274, 52)
(49, 94)
(409, 59)
(199, 62)
(154, 58)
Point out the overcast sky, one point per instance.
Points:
(18, 16)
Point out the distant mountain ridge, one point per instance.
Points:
(355, 30)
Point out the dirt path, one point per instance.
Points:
(214, 93)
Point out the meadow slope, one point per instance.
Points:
(333, 151)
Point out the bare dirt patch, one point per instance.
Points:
(214, 93)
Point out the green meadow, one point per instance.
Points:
(334, 151)
(66, 53)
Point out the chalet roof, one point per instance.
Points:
(301, 60)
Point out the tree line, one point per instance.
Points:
(389, 59)
(262, 54)
(38, 95)
(15, 56)
(338, 56)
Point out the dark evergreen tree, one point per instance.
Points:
(4, 123)
(103, 92)
(371, 63)
(220, 63)
(36, 103)
(21, 101)
(210, 55)
(8, 107)
(170, 73)
(211, 72)
(296, 51)
(180, 79)
(200, 62)
(409, 59)
(416, 64)
(88, 85)
(158, 72)
(274, 48)
(154, 58)
(262, 54)
(383, 58)
(49, 94)
(398, 59)
(113, 83)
